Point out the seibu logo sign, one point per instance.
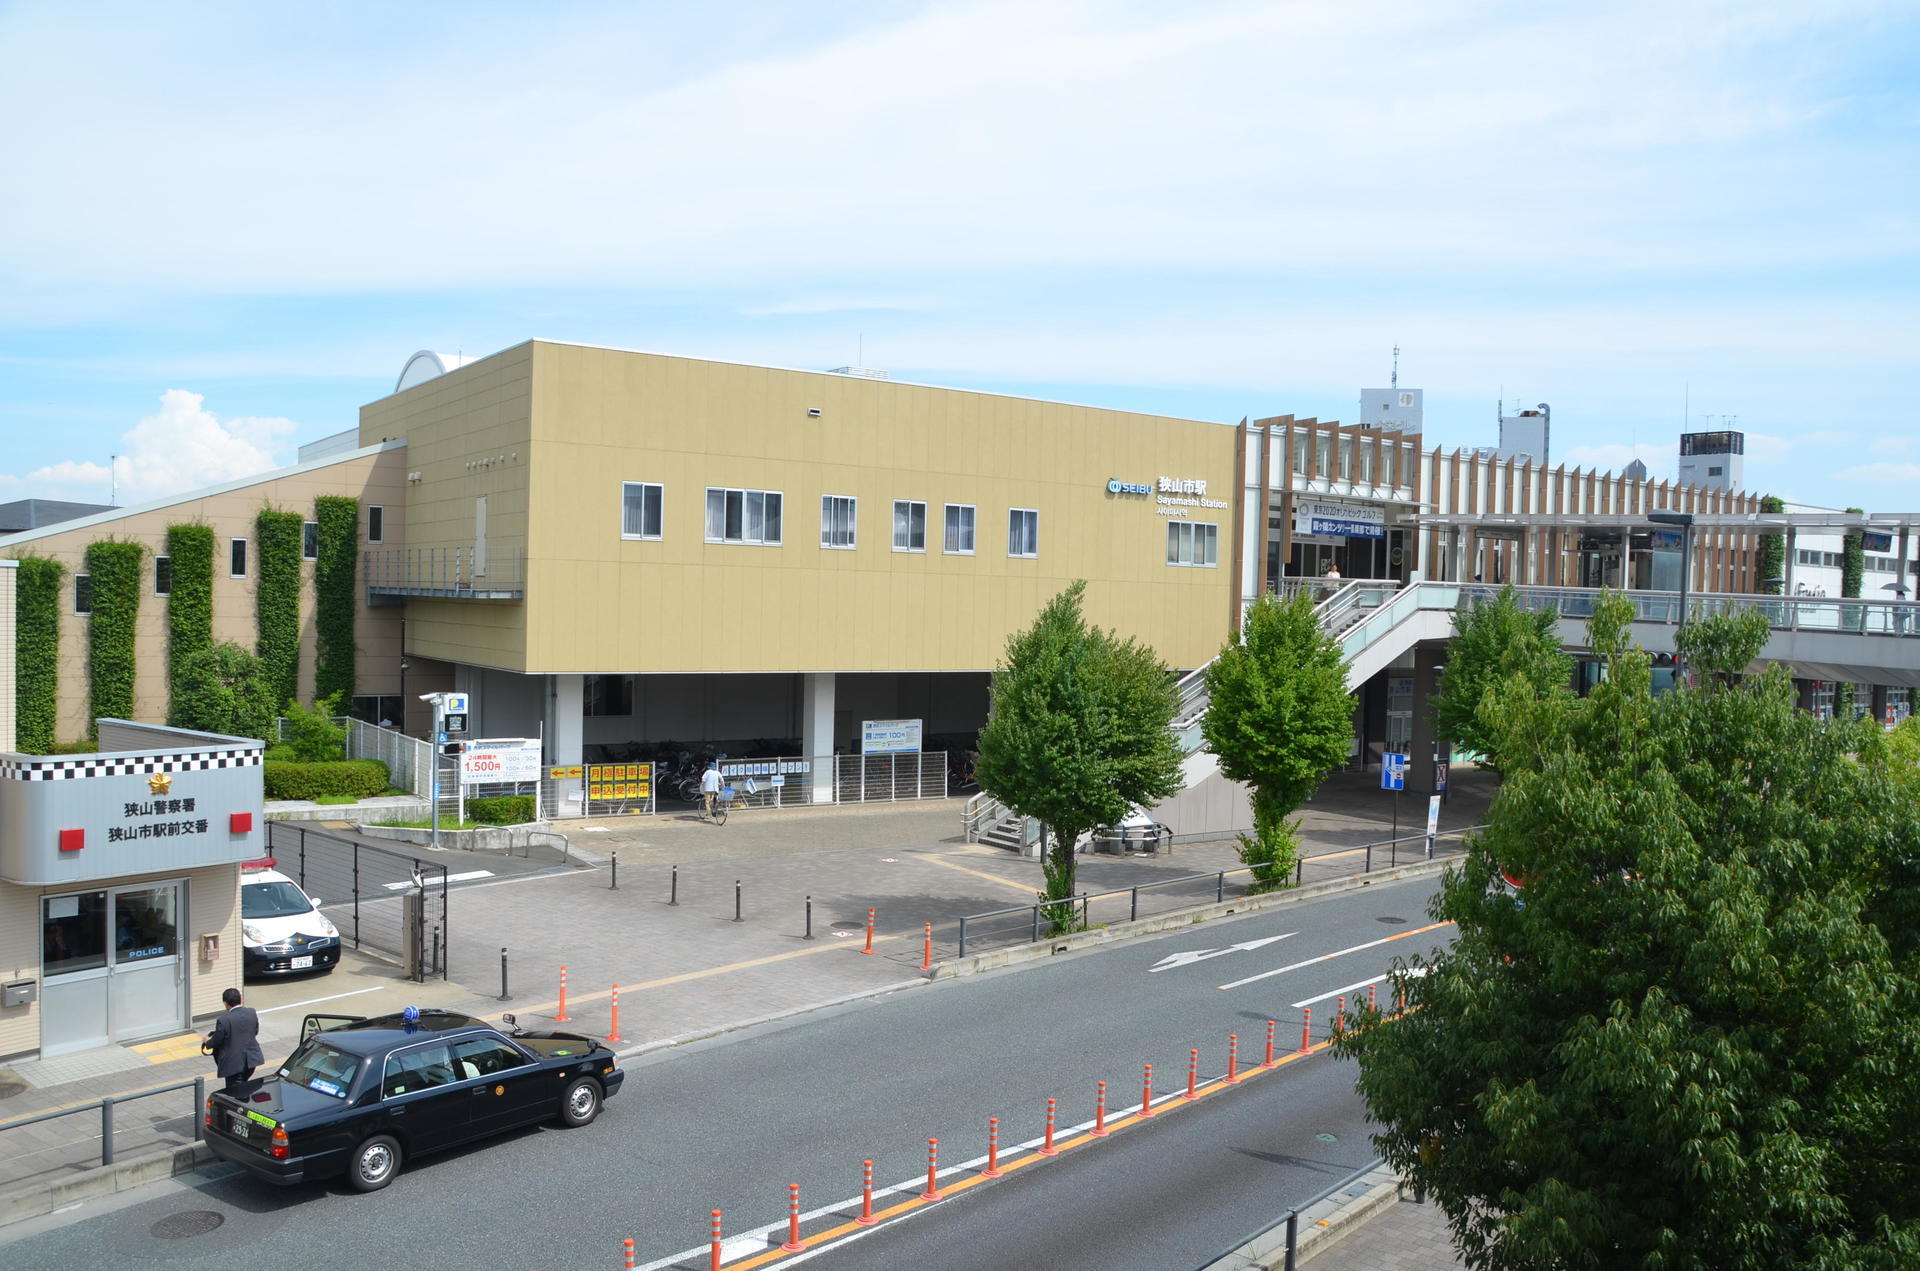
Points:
(488, 762)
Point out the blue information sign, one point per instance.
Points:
(1393, 771)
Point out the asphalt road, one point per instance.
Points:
(729, 1123)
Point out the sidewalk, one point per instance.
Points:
(688, 969)
(1405, 1236)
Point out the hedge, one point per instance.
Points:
(506, 809)
(189, 605)
(333, 595)
(115, 570)
(276, 599)
(36, 652)
(361, 778)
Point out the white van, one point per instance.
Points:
(282, 931)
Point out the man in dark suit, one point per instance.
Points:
(234, 1043)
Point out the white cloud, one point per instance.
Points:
(1907, 474)
(181, 447)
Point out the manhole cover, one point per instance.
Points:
(1391, 922)
(10, 1085)
(849, 926)
(1327, 1138)
(192, 1222)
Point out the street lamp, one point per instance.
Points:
(1685, 521)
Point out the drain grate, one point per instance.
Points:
(1392, 922)
(187, 1224)
(1327, 1138)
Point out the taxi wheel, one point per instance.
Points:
(581, 1103)
(374, 1163)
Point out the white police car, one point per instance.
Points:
(282, 931)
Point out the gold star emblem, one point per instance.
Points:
(159, 783)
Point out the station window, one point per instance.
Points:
(959, 540)
(839, 521)
(237, 558)
(639, 509)
(309, 540)
(376, 524)
(163, 575)
(909, 526)
(1023, 532)
(83, 594)
(743, 516)
(1193, 544)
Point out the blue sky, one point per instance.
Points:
(226, 226)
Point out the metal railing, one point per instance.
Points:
(106, 1106)
(1083, 901)
(363, 888)
(459, 572)
(1291, 1221)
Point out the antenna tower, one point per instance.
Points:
(1396, 366)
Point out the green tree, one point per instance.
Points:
(1691, 1047)
(311, 733)
(224, 689)
(1495, 642)
(1280, 718)
(1772, 560)
(1079, 734)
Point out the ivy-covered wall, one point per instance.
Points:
(1853, 561)
(1772, 560)
(334, 596)
(36, 651)
(276, 538)
(114, 568)
(189, 605)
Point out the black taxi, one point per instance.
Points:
(360, 1096)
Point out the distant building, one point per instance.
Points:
(1716, 460)
(1635, 471)
(32, 514)
(1392, 409)
(1525, 434)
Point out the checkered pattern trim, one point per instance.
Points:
(84, 766)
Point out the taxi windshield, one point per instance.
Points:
(272, 900)
(318, 1066)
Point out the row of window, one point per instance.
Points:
(1837, 560)
(756, 517)
(236, 560)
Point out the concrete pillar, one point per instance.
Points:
(1427, 661)
(565, 736)
(816, 723)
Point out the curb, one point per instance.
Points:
(101, 1180)
(1322, 1225)
(994, 959)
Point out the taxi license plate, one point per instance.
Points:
(238, 1124)
(302, 963)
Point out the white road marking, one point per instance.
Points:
(1191, 956)
(315, 1001)
(1338, 992)
(1341, 953)
(451, 878)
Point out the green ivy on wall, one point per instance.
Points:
(36, 652)
(334, 599)
(1853, 561)
(189, 606)
(114, 568)
(276, 599)
(1772, 560)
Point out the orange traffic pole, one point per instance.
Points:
(1100, 1113)
(1306, 1029)
(1047, 1148)
(926, 961)
(1193, 1074)
(561, 1018)
(933, 1171)
(1340, 1014)
(713, 1259)
(793, 1244)
(1373, 1002)
(866, 1218)
(869, 948)
(627, 1248)
(1271, 1026)
(1233, 1058)
(614, 1036)
(993, 1169)
(1146, 1093)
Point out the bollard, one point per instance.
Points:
(1193, 1074)
(1373, 1003)
(809, 934)
(736, 901)
(993, 1169)
(614, 1036)
(503, 974)
(869, 948)
(614, 875)
(1047, 1148)
(1400, 1002)
(926, 959)
(713, 1262)
(1340, 1014)
(866, 1218)
(933, 1171)
(200, 1102)
(1146, 1094)
(1100, 1113)
(1306, 1029)
(626, 1247)
(1233, 1059)
(793, 1244)
(562, 1017)
(1271, 1026)
(673, 887)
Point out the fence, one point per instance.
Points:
(365, 891)
(787, 781)
(408, 759)
(105, 1107)
(1018, 923)
(1242, 1255)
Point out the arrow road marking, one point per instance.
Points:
(1190, 956)
(1338, 953)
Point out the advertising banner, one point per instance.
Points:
(500, 760)
(889, 736)
(1334, 519)
(617, 782)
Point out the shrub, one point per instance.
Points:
(361, 778)
(276, 598)
(281, 753)
(506, 809)
(311, 733)
(189, 605)
(222, 689)
(36, 652)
